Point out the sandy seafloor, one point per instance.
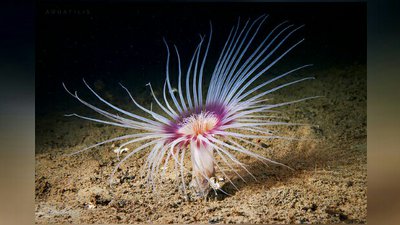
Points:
(328, 183)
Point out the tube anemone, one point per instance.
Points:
(212, 123)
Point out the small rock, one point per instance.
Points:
(265, 145)
(343, 217)
(313, 207)
(349, 183)
(94, 195)
(215, 219)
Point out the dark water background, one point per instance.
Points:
(122, 42)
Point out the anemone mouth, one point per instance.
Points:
(202, 123)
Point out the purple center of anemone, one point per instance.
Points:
(196, 122)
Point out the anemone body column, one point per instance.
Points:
(203, 166)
